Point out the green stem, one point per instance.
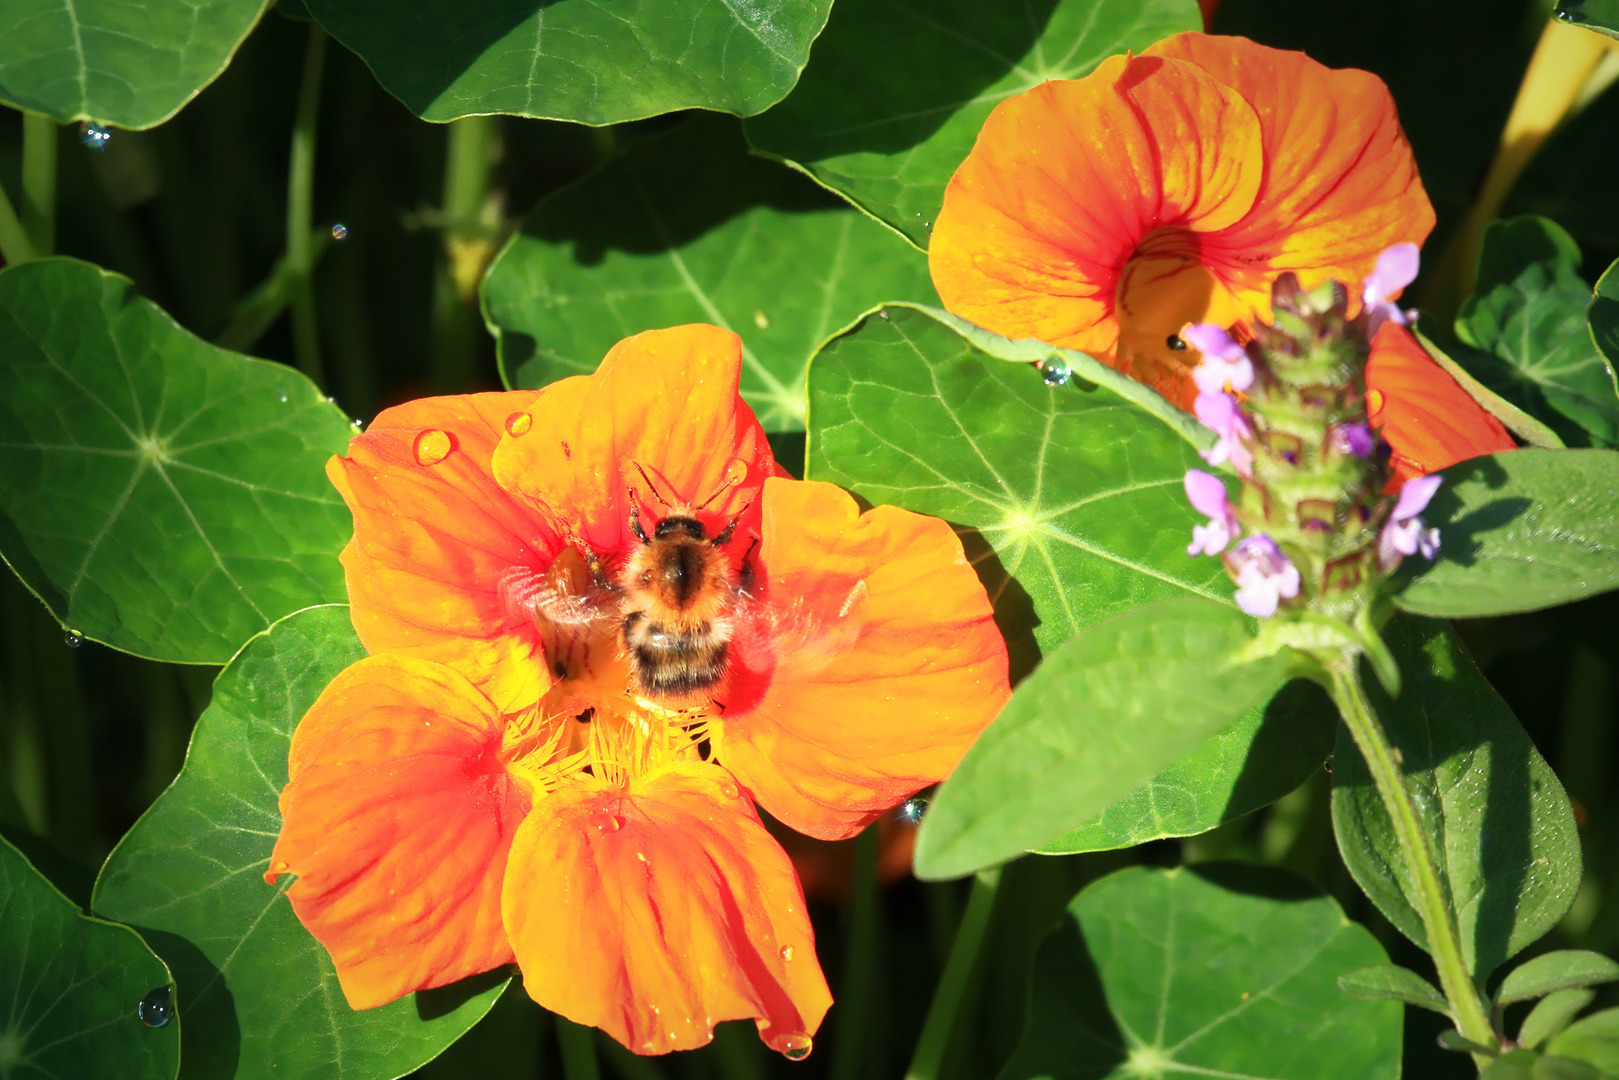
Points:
(578, 1046)
(860, 962)
(1444, 941)
(958, 970)
(14, 243)
(39, 182)
(468, 161)
(300, 202)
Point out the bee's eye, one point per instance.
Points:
(646, 577)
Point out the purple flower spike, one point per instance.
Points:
(1405, 533)
(1225, 363)
(1353, 439)
(1265, 577)
(1207, 495)
(1219, 413)
(1396, 268)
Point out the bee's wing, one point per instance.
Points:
(530, 597)
(796, 634)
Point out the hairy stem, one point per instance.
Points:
(39, 182)
(947, 998)
(300, 201)
(849, 1052)
(1416, 849)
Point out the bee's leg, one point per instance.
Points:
(635, 520)
(724, 536)
(745, 577)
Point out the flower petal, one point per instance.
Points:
(666, 400)
(1067, 180)
(397, 819)
(657, 911)
(432, 542)
(867, 669)
(1207, 494)
(1429, 421)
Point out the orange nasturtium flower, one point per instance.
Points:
(496, 782)
(1106, 213)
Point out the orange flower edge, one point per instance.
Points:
(649, 628)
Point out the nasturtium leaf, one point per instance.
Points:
(687, 226)
(1269, 752)
(896, 90)
(1208, 970)
(1520, 531)
(1502, 828)
(1390, 982)
(1594, 1040)
(260, 993)
(1552, 1014)
(583, 60)
(70, 998)
(1599, 15)
(1102, 715)
(132, 63)
(1602, 315)
(1560, 969)
(159, 494)
(1527, 316)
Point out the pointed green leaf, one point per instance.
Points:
(1209, 970)
(1105, 712)
(1552, 1014)
(1594, 1040)
(72, 989)
(1527, 316)
(262, 994)
(1390, 982)
(1599, 15)
(132, 63)
(581, 60)
(1520, 531)
(1603, 318)
(1517, 1065)
(686, 226)
(896, 90)
(1475, 777)
(159, 494)
(1556, 970)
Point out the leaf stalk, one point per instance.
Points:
(39, 182)
(300, 202)
(952, 989)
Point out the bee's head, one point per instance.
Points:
(680, 525)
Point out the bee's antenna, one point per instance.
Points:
(651, 486)
(724, 536)
(723, 489)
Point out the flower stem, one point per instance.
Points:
(14, 244)
(39, 182)
(1416, 848)
(941, 1020)
(578, 1046)
(300, 202)
(468, 164)
(860, 962)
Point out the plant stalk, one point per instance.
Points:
(578, 1046)
(15, 247)
(300, 203)
(947, 997)
(860, 962)
(469, 243)
(39, 182)
(1416, 848)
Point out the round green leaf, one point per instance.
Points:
(261, 994)
(159, 494)
(1527, 315)
(684, 227)
(72, 989)
(132, 63)
(1521, 530)
(1502, 827)
(1599, 15)
(897, 89)
(1209, 970)
(583, 60)
(1102, 715)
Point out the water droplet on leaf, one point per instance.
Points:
(433, 446)
(786, 952)
(95, 135)
(519, 423)
(1055, 372)
(794, 1047)
(73, 638)
(912, 809)
(883, 315)
(340, 231)
(283, 396)
(157, 1007)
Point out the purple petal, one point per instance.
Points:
(1258, 599)
(1396, 268)
(1206, 493)
(1219, 413)
(1212, 341)
(1415, 495)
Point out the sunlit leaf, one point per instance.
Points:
(1599, 15)
(1561, 969)
(1390, 982)
(1594, 1040)
(261, 994)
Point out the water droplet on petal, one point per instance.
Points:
(606, 822)
(157, 1007)
(1055, 372)
(73, 638)
(433, 446)
(519, 423)
(795, 1046)
(729, 790)
(340, 231)
(736, 471)
(786, 952)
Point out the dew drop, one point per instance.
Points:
(433, 446)
(283, 396)
(786, 952)
(1175, 343)
(761, 320)
(606, 822)
(340, 231)
(912, 809)
(73, 638)
(355, 424)
(729, 790)
(795, 1046)
(95, 135)
(157, 1007)
(1055, 372)
(883, 315)
(519, 423)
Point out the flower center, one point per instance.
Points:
(1164, 286)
